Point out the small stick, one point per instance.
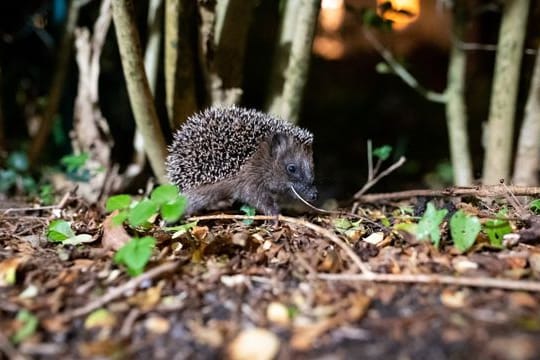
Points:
(384, 173)
(120, 290)
(60, 205)
(318, 229)
(480, 282)
(478, 191)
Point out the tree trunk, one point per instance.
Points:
(57, 84)
(287, 103)
(528, 149)
(456, 115)
(500, 127)
(140, 96)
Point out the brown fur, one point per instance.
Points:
(263, 181)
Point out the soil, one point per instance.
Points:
(227, 289)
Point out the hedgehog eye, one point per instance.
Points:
(291, 168)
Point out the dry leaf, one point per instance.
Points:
(114, 236)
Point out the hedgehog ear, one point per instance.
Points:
(278, 143)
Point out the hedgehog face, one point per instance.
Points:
(293, 165)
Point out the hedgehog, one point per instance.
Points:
(227, 154)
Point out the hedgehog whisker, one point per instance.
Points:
(307, 203)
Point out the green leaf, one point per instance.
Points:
(248, 211)
(8, 178)
(181, 229)
(18, 161)
(59, 230)
(28, 328)
(497, 228)
(142, 212)
(534, 206)
(118, 202)
(428, 226)
(172, 211)
(164, 193)
(120, 217)
(74, 162)
(135, 254)
(464, 229)
(382, 152)
(46, 194)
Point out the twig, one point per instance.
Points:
(400, 71)
(118, 291)
(8, 349)
(339, 213)
(479, 191)
(384, 173)
(488, 47)
(481, 282)
(318, 229)
(60, 205)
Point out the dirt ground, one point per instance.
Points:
(227, 289)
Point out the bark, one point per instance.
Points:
(222, 48)
(500, 127)
(282, 52)
(91, 133)
(140, 96)
(456, 115)
(3, 145)
(151, 53)
(179, 64)
(289, 100)
(528, 149)
(57, 84)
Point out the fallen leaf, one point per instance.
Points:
(8, 270)
(100, 318)
(256, 343)
(453, 299)
(374, 238)
(114, 236)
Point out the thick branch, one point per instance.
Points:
(528, 150)
(57, 84)
(140, 97)
(288, 102)
(500, 126)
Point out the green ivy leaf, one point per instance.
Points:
(74, 162)
(534, 206)
(135, 254)
(428, 226)
(29, 325)
(120, 217)
(172, 211)
(248, 211)
(464, 229)
(497, 228)
(164, 193)
(59, 230)
(142, 212)
(118, 202)
(382, 152)
(18, 161)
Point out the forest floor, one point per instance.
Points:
(287, 289)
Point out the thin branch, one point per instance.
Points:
(60, 205)
(318, 229)
(480, 282)
(400, 71)
(467, 46)
(375, 180)
(120, 290)
(478, 191)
